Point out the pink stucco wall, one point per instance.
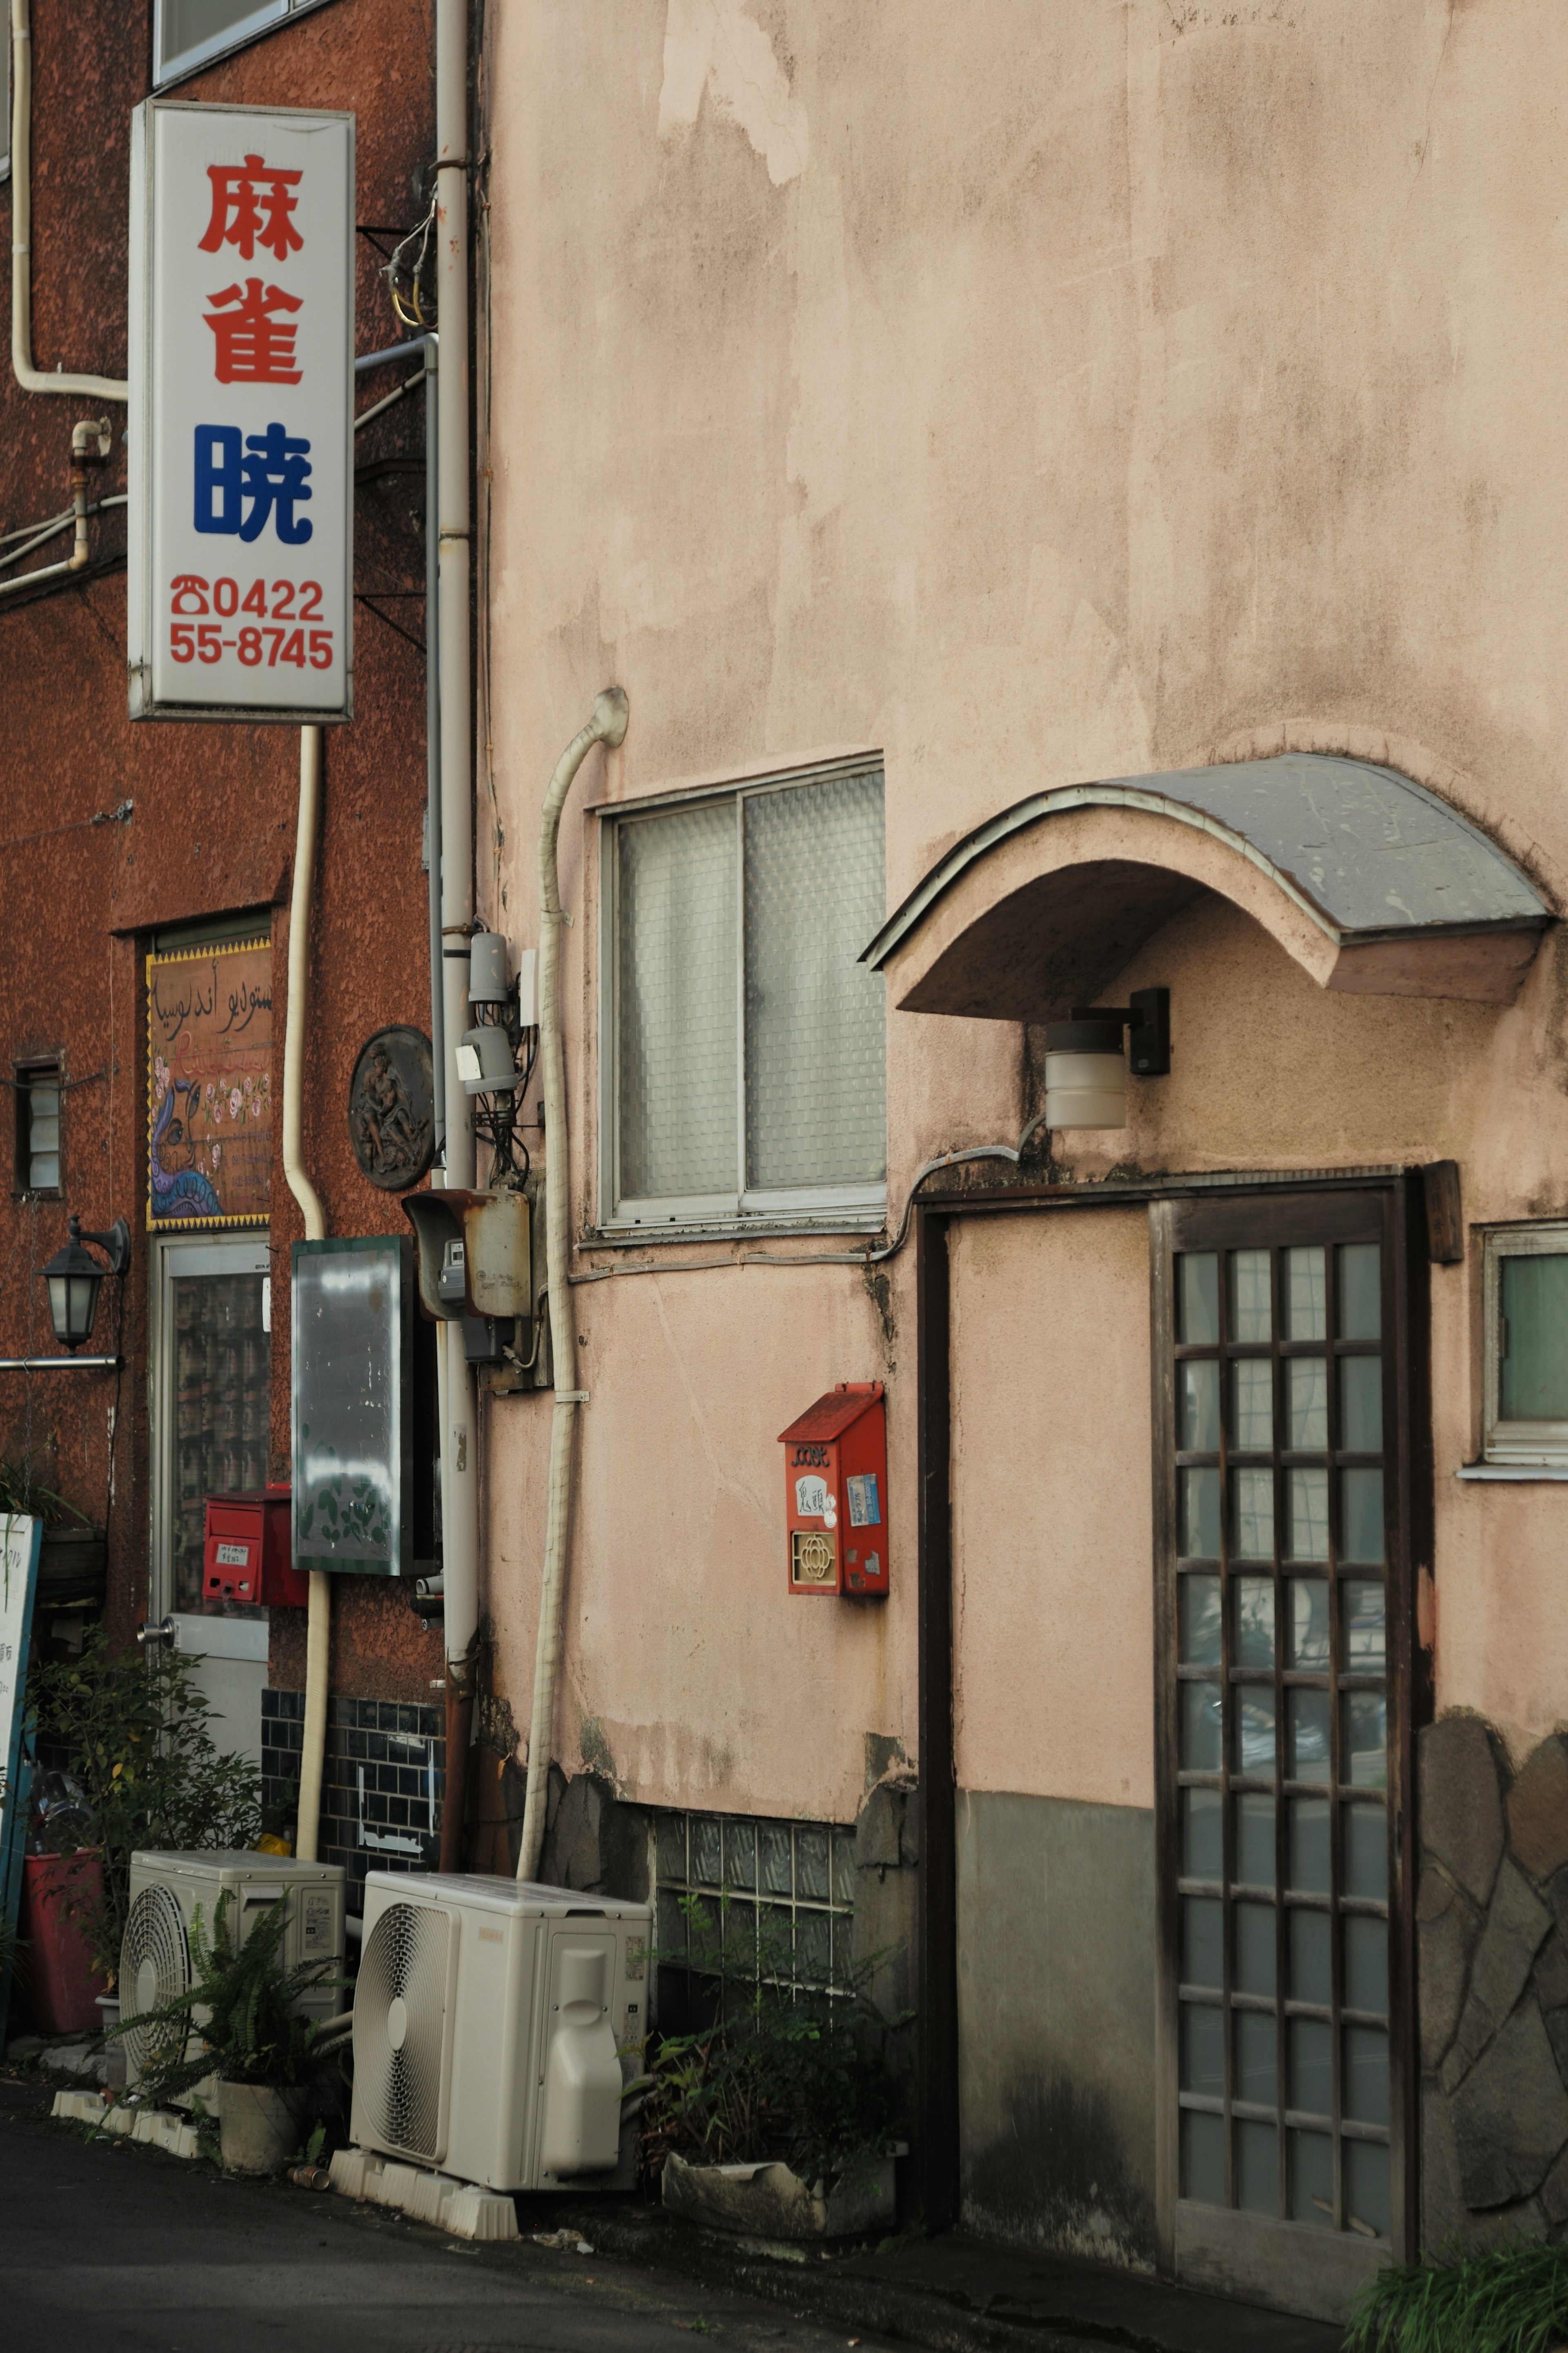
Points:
(1035, 394)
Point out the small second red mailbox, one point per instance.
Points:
(835, 1493)
(248, 1554)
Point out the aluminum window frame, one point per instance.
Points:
(265, 18)
(1542, 1445)
(172, 1257)
(811, 1208)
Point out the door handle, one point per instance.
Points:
(164, 1633)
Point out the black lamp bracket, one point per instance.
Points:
(115, 1244)
(1147, 1020)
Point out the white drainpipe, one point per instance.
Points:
(319, 1624)
(607, 724)
(32, 379)
(459, 1431)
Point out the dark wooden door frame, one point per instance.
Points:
(936, 2148)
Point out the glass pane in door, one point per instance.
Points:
(1283, 1715)
(222, 1407)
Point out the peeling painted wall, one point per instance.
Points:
(1037, 395)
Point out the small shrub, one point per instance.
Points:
(135, 1737)
(782, 2071)
(1512, 2301)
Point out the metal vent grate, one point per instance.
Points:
(400, 2009)
(155, 1969)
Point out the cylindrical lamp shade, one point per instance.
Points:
(1085, 1075)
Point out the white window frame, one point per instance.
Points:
(815, 1208)
(174, 1256)
(1540, 1443)
(262, 18)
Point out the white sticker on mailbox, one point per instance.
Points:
(233, 1556)
(811, 1499)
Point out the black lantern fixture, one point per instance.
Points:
(73, 1276)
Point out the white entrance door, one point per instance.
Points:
(210, 1405)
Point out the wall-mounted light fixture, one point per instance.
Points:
(1086, 1074)
(74, 1277)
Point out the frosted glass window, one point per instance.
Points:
(816, 1015)
(1199, 1406)
(750, 1040)
(1251, 1315)
(1252, 1379)
(677, 1015)
(222, 1412)
(187, 32)
(39, 1132)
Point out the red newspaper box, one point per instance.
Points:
(835, 1493)
(246, 1555)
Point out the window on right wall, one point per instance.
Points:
(1525, 1285)
(744, 1076)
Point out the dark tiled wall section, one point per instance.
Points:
(382, 1786)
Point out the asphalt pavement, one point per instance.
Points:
(107, 2245)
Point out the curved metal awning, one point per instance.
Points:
(1371, 881)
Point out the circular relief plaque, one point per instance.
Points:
(392, 1109)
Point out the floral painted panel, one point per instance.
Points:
(209, 1087)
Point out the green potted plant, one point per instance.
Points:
(133, 1734)
(780, 2118)
(240, 2027)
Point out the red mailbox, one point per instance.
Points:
(835, 1493)
(246, 1555)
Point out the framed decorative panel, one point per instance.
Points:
(209, 1087)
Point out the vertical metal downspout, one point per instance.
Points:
(459, 1433)
(936, 1985)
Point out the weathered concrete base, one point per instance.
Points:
(1055, 2006)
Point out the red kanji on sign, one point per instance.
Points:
(251, 204)
(253, 346)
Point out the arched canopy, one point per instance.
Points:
(1370, 882)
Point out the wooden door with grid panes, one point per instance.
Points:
(1282, 1741)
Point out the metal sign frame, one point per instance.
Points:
(239, 600)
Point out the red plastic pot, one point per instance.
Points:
(63, 1984)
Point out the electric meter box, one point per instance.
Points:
(835, 1493)
(246, 1557)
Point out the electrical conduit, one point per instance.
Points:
(32, 379)
(318, 1640)
(607, 724)
(459, 1451)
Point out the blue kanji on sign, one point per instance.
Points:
(267, 469)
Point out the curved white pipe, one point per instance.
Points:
(607, 724)
(319, 1623)
(32, 379)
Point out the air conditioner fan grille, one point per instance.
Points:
(155, 1970)
(400, 2005)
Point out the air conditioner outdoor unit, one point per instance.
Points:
(165, 1893)
(488, 2016)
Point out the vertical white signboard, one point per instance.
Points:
(241, 429)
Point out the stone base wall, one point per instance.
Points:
(1492, 1961)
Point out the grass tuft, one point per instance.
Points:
(1512, 2301)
